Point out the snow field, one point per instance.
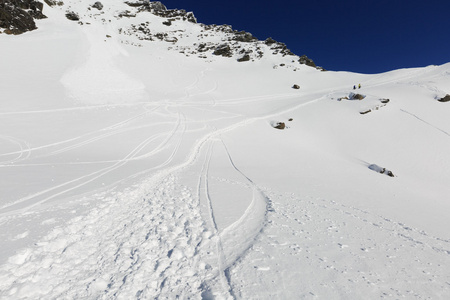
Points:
(339, 252)
(139, 172)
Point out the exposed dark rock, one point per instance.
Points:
(304, 60)
(365, 112)
(296, 86)
(17, 16)
(223, 50)
(381, 170)
(137, 3)
(384, 101)
(159, 9)
(353, 96)
(158, 6)
(280, 125)
(167, 23)
(290, 120)
(54, 2)
(281, 48)
(246, 57)
(445, 99)
(126, 14)
(269, 41)
(72, 16)
(98, 5)
(245, 37)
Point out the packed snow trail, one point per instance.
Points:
(142, 243)
(233, 241)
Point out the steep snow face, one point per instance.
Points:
(131, 170)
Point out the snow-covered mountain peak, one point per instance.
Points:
(141, 23)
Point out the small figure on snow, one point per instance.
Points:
(359, 86)
(354, 87)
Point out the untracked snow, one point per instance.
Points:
(139, 169)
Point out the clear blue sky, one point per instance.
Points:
(367, 36)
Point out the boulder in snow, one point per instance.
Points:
(296, 87)
(278, 125)
(354, 96)
(445, 99)
(72, 16)
(98, 5)
(246, 57)
(381, 170)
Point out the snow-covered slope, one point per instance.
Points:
(139, 159)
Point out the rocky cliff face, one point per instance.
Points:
(17, 16)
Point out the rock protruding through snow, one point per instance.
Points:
(17, 16)
(381, 170)
(444, 99)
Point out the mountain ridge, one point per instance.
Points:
(239, 45)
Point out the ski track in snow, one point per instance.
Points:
(85, 138)
(229, 244)
(425, 122)
(152, 240)
(147, 246)
(43, 196)
(146, 242)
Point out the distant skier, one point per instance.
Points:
(354, 87)
(359, 86)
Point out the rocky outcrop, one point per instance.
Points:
(381, 170)
(98, 5)
(281, 48)
(159, 9)
(244, 37)
(305, 60)
(445, 99)
(54, 2)
(353, 96)
(280, 125)
(269, 41)
(246, 57)
(296, 87)
(239, 45)
(72, 16)
(17, 16)
(223, 50)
